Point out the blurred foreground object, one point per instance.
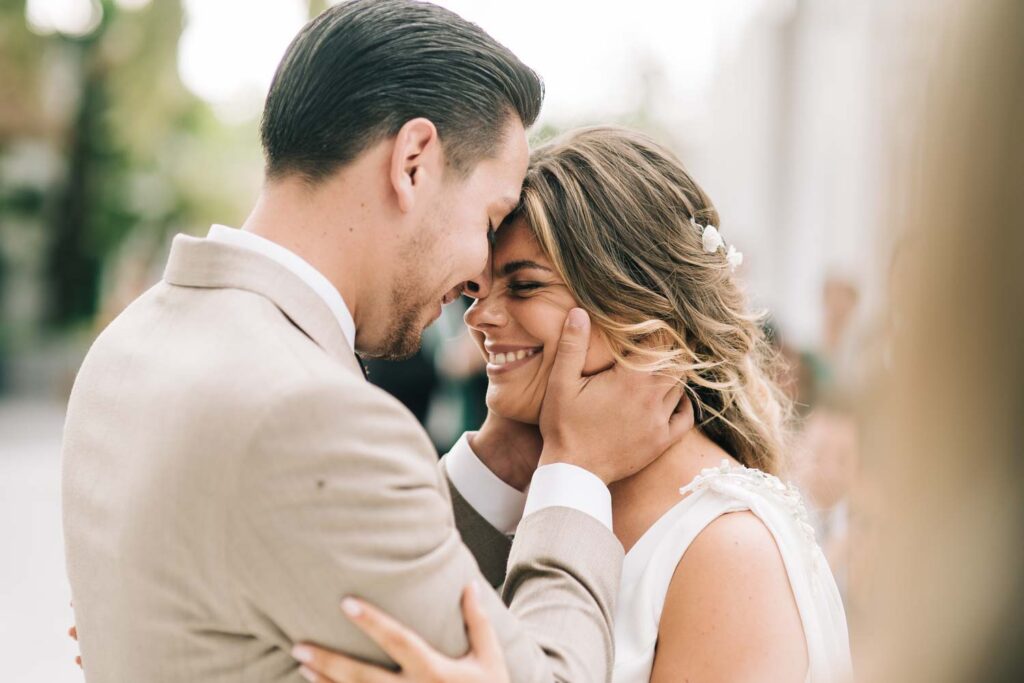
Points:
(941, 598)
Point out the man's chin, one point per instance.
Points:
(405, 340)
(401, 345)
(397, 349)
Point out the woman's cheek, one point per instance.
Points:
(544, 315)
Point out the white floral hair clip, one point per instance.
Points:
(712, 241)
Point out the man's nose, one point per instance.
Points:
(480, 286)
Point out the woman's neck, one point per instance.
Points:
(641, 499)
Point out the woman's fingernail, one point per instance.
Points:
(474, 587)
(351, 607)
(301, 653)
(308, 674)
(576, 319)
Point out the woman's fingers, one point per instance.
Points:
(73, 632)
(483, 641)
(404, 646)
(419, 661)
(324, 666)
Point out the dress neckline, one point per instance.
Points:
(686, 493)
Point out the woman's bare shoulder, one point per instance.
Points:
(729, 613)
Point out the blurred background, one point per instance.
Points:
(125, 122)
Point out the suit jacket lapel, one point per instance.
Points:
(195, 262)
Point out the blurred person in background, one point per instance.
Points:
(942, 595)
(825, 455)
(836, 358)
(412, 380)
(460, 403)
(443, 384)
(722, 579)
(824, 466)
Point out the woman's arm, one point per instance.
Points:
(730, 614)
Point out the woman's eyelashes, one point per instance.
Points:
(522, 289)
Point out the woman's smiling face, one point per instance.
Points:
(518, 324)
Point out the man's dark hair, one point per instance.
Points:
(360, 70)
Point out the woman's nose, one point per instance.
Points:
(486, 312)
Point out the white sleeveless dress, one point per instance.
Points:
(649, 566)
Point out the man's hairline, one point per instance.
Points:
(456, 173)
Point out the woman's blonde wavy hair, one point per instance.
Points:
(612, 209)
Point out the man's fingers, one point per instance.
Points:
(325, 666)
(673, 382)
(483, 641)
(73, 632)
(572, 347)
(682, 419)
(675, 392)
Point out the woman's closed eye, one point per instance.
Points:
(524, 288)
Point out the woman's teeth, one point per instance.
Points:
(502, 358)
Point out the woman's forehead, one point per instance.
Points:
(516, 241)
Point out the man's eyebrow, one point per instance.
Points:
(515, 266)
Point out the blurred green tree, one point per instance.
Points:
(135, 152)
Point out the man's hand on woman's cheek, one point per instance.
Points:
(614, 423)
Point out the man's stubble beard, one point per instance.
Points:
(405, 335)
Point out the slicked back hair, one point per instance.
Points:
(360, 70)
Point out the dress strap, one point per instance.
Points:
(651, 563)
(742, 482)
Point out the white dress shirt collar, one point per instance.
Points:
(297, 265)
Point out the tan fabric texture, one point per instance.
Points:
(229, 476)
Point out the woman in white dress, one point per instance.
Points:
(722, 579)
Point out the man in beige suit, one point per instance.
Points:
(230, 475)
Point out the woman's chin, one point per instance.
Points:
(511, 411)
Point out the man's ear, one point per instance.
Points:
(416, 160)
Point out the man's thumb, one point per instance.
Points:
(572, 347)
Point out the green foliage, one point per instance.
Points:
(136, 152)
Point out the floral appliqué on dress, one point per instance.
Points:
(786, 495)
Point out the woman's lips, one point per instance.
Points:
(499, 362)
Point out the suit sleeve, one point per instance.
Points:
(340, 495)
(490, 547)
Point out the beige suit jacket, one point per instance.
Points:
(229, 475)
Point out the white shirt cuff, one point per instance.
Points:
(497, 502)
(564, 485)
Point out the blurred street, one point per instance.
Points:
(34, 594)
